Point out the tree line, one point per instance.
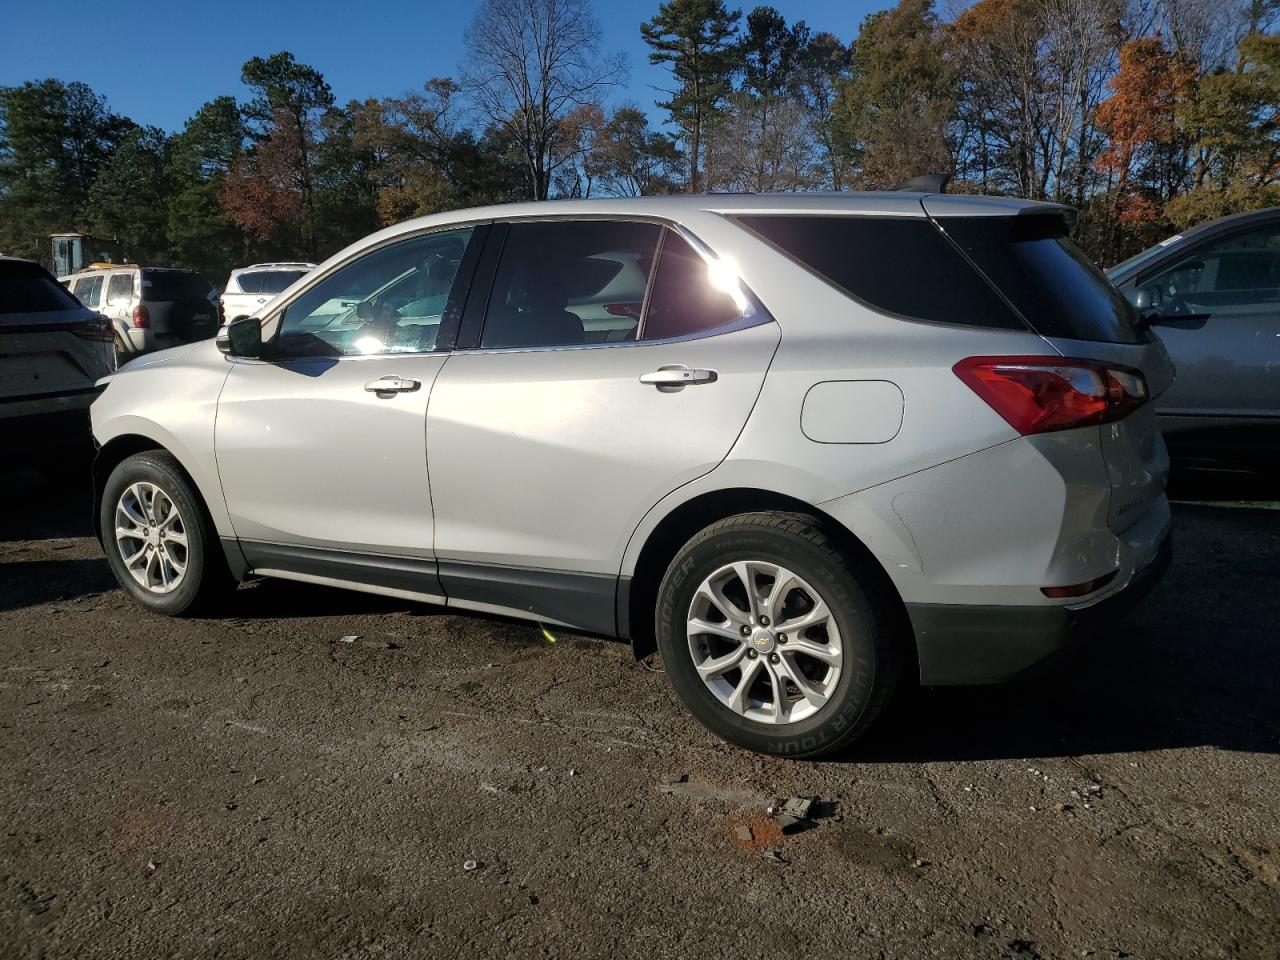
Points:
(1146, 115)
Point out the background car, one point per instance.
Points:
(53, 350)
(150, 308)
(249, 289)
(1212, 295)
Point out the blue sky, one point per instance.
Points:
(157, 62)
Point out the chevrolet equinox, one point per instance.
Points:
(809, 448)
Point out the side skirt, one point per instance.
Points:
(580, 601)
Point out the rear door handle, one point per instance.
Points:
(388, 385)
(678, 376)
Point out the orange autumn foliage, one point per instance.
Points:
(1141, 113)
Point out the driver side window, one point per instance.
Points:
(1237, 274)
(395, 299)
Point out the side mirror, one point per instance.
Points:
(1146, 298)
(241, 338)
(364, 310)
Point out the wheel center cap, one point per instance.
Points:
(153, 537)
(762, 640)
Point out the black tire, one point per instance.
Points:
(873, 660)
(207, 579)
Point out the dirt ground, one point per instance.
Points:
(257, 785)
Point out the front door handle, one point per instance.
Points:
(389, 385)
(678, 375)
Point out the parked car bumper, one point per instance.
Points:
(970, 644)
(51, 422)
(32, 410)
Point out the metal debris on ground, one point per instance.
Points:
(470, 865)
(653, 664)
(791, 813)
(773, 855)
(351, 639)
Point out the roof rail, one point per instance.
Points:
(925, 183)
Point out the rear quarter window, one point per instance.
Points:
(901, 266)
(684, 301)
(1056, 288)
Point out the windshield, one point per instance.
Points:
(1141, 258)
(160, 285)
(1057, 289)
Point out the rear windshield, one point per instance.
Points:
(267, 281)
(26, 288)
(902, 266)
(159, 285)
(1052, 283)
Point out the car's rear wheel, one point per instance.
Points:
(775, 638)
(158, 539)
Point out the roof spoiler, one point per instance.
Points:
(926, 183)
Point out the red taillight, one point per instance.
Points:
(1079, 589)
(95, 328)
(141, 316)
(1042, 394)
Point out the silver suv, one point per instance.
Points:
(150, 308)
(813, 448)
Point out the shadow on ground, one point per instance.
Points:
(1197, 663)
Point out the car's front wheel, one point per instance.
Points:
(775, 638)
(158, 540)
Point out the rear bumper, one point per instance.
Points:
(56, 427)
(960, 644)
(36, 411)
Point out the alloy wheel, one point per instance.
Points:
(151, 536)
(764, 642)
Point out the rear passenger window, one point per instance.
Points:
(686, 299)
(89, 291)
(567, 282)
(901, 266)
